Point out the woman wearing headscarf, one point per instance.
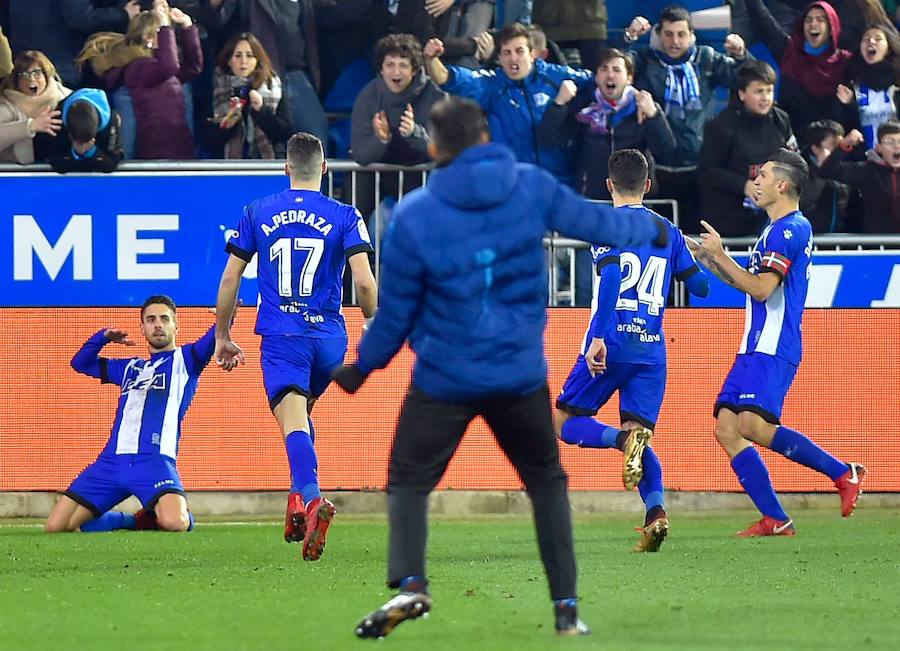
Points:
(812, 65)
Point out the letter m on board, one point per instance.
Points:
(29, 242)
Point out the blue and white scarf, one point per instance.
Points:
(601, 116)
(682, 86)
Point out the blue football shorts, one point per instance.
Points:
(641, 388)
(757, 382)
(301, 364)
(114, 477)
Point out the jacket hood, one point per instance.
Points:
(481, 177)
(93, 96)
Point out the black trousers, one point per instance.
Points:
(428, 433)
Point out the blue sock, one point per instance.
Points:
(797, 447)
(754, 477)
(588, 433)
(414, 583)
(191, 518)
(312, 430)
(651, 484)
(304, 465)
(109, 521)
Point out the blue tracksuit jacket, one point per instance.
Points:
(464, 277)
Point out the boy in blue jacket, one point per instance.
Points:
(464, 280)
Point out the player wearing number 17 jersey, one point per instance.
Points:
(301, 239)
(624, 349)
(748, 409)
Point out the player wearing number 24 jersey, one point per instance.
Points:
(624, 349)
(301, 239)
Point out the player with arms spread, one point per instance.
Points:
(748, 408)
(302, 238)
(139, 458)
(624, 348)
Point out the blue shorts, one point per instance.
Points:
(114, 477)
(641, 388)
(759, 383)
(301, 364)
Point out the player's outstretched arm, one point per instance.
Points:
(228, 354)
(88, 361)
(711, 253)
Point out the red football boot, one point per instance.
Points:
(849, 487)
(319, 514)
(295, 519)
(768, 527)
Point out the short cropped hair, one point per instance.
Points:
(514, 30)
(673, 14)
(818, 130)
(610, 54)
(455, 125)
(537, 39)
(158, 299)
(754, 70)
(791, 167)
(888, 128)
(628, 170)
(405, 46)
(305, 156)
(82, 121)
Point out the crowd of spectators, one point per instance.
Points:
(87, 83)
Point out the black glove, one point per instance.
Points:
(348, 377)
(662, 235)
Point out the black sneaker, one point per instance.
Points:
(567, 622)
(406, 605)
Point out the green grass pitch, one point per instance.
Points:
(230, 587)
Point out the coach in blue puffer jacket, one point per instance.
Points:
(464, 276)
(464, 280)
(515, 96)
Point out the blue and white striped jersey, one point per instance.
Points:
(773, 326)
(156, 393)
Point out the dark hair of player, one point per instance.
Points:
(158, 299)
(628, 171)
(791, 167)
(305, 156)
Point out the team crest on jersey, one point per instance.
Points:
(788, 234)
(147, 378)
(541, 99)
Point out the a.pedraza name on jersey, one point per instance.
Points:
(296, 217)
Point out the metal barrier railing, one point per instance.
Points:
(559, 293)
